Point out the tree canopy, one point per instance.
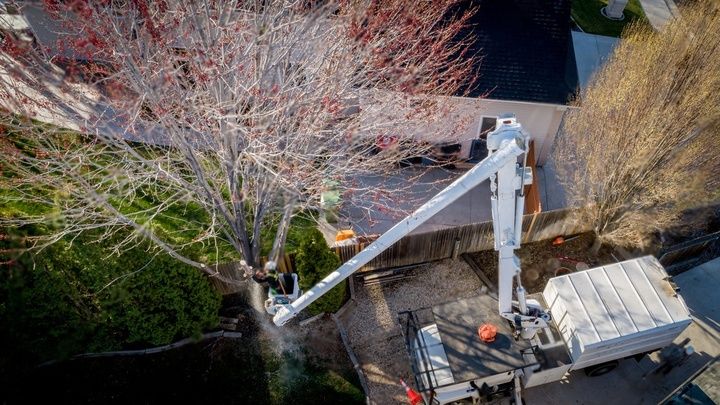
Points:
(232, 116)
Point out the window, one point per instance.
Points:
(487, 125)
(478, 150)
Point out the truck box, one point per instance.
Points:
(616, 311)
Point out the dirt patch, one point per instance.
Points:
(541, 260)
(373, 329)
(323, 345)
(318, 342)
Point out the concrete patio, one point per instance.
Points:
(413, 187)
(659, 12)
(591, 52)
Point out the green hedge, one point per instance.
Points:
(314, 260)
(55, 303)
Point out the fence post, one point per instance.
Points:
(456, 248)
(528, 234)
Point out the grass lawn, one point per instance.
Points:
(179, 223)
(586, 14)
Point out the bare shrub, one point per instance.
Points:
(644, 146)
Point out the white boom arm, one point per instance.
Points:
(504, 158)
(508, 204)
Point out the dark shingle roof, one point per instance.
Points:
(525, 49)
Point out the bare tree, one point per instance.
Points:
(240, 113)
(644, 148)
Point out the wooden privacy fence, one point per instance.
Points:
(451, 242)
(431, 246)
(532, 192)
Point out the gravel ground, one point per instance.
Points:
(373, 328)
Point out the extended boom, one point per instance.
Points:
(506, 152)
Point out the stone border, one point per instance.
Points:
(351, 354)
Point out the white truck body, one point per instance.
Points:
(598, 315)
(616, 311)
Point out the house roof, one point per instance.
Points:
(525, 50)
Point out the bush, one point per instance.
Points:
(43, 315)
(162, 304)
(54, 304)
(314, 260)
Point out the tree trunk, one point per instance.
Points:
(597, 244)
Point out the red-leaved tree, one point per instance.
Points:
(224, 118)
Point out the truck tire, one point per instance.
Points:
(600, 369)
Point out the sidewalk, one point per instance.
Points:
(659, 12)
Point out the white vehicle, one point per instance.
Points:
(584, 320)
(599, 316)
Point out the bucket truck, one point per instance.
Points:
(585, 320)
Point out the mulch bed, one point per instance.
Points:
(541, 260)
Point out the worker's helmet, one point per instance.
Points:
(270, 266)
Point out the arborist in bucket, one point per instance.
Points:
(268, 275)
(279, 284)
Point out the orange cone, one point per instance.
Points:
(412, 395)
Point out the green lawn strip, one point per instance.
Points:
(182, 224)
(587, 15)
(179, 222)
(13, 204)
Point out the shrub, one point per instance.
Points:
(162, 304)
(53, 304)
(43, 315)
(314, 260)
(642, 155)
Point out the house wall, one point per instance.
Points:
(542, 121)
(463, 116)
